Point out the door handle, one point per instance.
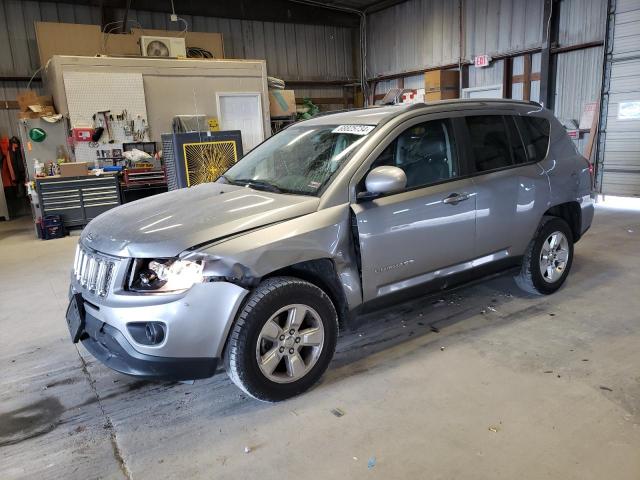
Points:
(455, 198)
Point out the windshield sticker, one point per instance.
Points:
(354, 129)
(314, 185)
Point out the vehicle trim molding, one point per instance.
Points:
(442, 272)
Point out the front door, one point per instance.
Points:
(425, 232)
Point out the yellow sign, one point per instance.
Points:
(205, 161)
(213, 124)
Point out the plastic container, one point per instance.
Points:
(52, 227)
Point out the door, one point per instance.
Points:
(510, 187)
(242, 111)
(425, 232)
(619, 147)
(489, 91)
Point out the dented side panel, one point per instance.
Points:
(320, 235)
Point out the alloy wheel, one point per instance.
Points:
(290, 343)
(554, 256)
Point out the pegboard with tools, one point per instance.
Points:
(113, 104)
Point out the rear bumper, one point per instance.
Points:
(587, 210)
(109, 346)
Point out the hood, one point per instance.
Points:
(167, 224)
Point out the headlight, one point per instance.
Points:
(166, 275)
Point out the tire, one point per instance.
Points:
(531, 278)
(296, 361)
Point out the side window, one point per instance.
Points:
(489, 142)
(517, 147)
(535, 134)
(426, 152)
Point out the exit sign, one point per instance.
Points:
(482, 60)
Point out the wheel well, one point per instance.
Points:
(322, 273)
(570, 212)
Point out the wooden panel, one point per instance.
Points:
(66, 39)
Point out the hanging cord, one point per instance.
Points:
(40, 69)
(198, 52)
(113, 26)
(183, 33)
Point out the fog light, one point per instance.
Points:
(155, 333)
(147, 333)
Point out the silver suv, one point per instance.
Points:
(330, 217)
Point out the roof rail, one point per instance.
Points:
(331, 112)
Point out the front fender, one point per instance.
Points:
(318, 235)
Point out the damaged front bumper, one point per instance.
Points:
(195, 327)
(109, 346)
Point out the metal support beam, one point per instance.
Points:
(550, 39)
(526, 78)
(124, 28)
(464, 77)
(604, 95)
(507, 77)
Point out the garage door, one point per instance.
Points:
(619, 157)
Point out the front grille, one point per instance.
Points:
(93, 271)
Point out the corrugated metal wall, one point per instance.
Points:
(579, 73)
(415, 35)
(420, 34)
(292, 51)
(578, 80)
(582, 21)
(491, 75)
(501, 26)
(412, 36)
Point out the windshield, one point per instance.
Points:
(300, 160)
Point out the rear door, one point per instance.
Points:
(510, 186)
(411, 237)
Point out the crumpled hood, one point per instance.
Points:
(167, 224)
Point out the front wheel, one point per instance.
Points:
(548, 259)
(283, 340)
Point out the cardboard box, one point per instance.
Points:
(436, 95)
(30, 101)
(441, 80)
(74, 169)
(282, 103)
(67, 39)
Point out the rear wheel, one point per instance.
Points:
(548, 259)
(283, 340)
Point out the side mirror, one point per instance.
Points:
(385, 179)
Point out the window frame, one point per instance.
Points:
(514, 125)
(454, 123)
(522, 118)
(471, 159)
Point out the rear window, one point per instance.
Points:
(535, 135)
(489, 141)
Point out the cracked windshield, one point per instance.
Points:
(298, 160)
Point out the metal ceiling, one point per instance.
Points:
(343, 13)
(368, 6)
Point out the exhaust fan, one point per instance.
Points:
(162, 47)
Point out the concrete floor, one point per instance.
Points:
(484, 382)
